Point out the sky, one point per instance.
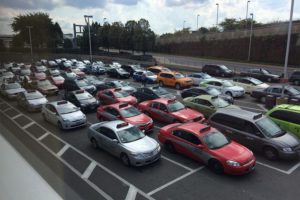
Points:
(165, 16)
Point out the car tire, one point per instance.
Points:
(270, 153)
(161, 84)
(94, 143)
(170, 147)
(177, 86)
(60, 125)
(269, 80)
(125, 159)
(296, 82)
(263, 99)
(228, 93)
(216, 166)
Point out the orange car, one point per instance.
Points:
(174, 79)
(157, 69)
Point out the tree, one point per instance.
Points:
(68, 44)
(115, 34)
(203, 30)
(44, 32)
(214, 29)
(129, 35)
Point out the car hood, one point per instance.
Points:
(129, 89)
(139, 119)
(262, 86)
(234, 151)
(78, 115)
(286, 140)
(186, 114)
(236, 88)
(88, 101)
(143, 145)
(273, 75)
(15, 91)
(38, 101)
(48, 87)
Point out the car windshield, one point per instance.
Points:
(293, 91)
(83, 96)
(120, 84)
(130, 112)
(265, 71)
(148, 73)
(220, 103)
(25, 72)
(160, 91)
(215, 140)
(176, 106)
(227, 84)
(71, 75)
(213, 92)
(178, 75)
(224, 67)
(269, 128)
(43, 83)
(130, 134)
(206, 76)
(121, 70)
(13, 86)
(120, 94)
(67, 108)
(34, 95)
(256, 81)
(81, 83)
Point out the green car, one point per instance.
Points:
(207, 104)
(286, 116)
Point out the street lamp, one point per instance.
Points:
(197, 21)
(183, 24)
(104, 19)
(87, 20)
(247, 13)
(29, 30)
(251, 33)
(217, 14)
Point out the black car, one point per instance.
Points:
(262, 75)
(276, 90)
(196, 91)
(117, 73)
(82, 99)
(295, 78)
(150, 93)
(97, 82)
(217, 70)
(79, 84)
(131, 69)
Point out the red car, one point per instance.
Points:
(57, 80)
(39, 76)
(127, 113)
(170, 111)
(117, 95)
(207, 145)
(78, 72)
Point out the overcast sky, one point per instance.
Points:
(163, 15)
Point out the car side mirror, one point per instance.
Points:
(115, 141)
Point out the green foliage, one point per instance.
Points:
(68, 44)
(44, 32)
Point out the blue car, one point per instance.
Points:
(145, 76)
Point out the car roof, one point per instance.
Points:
(243, 114)
(289, 107)
(195, 128)
(163, 100)
(113, 125)
(60, 103)
(117, 106)
(205, 96)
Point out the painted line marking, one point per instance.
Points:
(177, 163)
(63, 150)
(132, 192)
(6, 109)
(174, 181)
(43, 136)
(86, 174)
(16, 116)
(271, 167)
(293, 168)
(27, 125)
(262, 107)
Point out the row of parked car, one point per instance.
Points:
(201, 126)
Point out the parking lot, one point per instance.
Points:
(95, 174)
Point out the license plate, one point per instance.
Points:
(251, 167)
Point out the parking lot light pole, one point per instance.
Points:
(29, 30)
(197, 21)
(87, 20)
(217, 23)
(250, 40)
(183, 24)
(247, 13)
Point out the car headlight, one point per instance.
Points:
(287, 149)
(232, 163)
(137, 155)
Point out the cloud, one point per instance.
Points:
(85, 3)
(172, 3)
(126, 2)
(30, 5)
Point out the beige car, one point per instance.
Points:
(249, 83)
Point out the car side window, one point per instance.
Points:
(52, 108)
(229, 121)
(277, 90)
(109, 93)
(217, 84)
(112, 111)
(189, 137)
(107, 132)
(154, 105)
(291, 117)
(251, 129)
(163, 107)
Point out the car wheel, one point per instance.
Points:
(270, 153)
(94, 143)
(160, 83)
(177, 86)
(216, 166)
(228, 93)
(125, 159)
(296, 82)
(269, 80)
(170, 147)
(263, 99)
(60, 125)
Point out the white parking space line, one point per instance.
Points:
(86, 174)
(6, 109)
(177, 163)
(16, 116)
(132, 192)
(27, 125)
(262, 107)
(63, 150)
(271, 167)
(293, 168)
(43, 136)
(174, 181)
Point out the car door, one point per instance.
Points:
(276, 91)
(251, 137)
(108, 97)
(110, 114)
(108, 140)
(51, 114)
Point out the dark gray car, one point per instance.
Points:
(257, 132)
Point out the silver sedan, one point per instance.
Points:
(125, 141)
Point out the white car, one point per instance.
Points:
(63, 114)
(225, 86)
(198, 77)
(11, 90)
(249, 83)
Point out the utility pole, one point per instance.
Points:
(183, 24)
(217, 23)
(87, 20)
(247, 13)
(29, 30)
(197, 21)
(250, 41)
